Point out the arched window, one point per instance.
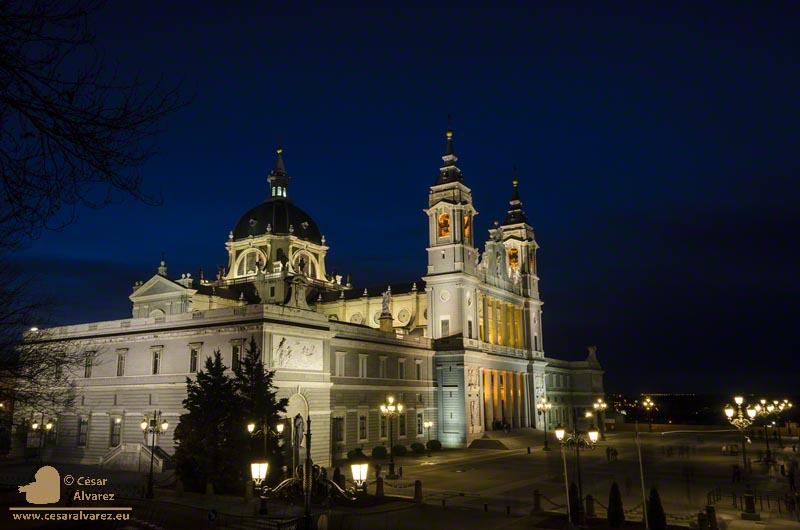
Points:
(513, 258)
(248, 263)
(308, 264)
(444, 225)
(467, 227)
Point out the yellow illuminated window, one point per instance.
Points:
(513, 258)
(467, 227)
(444, 225)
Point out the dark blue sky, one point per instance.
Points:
(657, 148)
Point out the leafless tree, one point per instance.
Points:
(73, 132)
(37, 373)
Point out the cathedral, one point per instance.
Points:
(460, 346)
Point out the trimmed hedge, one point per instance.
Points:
(435, 445)
(379, 452)
(400, 450)
(357, 452)
(418, 448)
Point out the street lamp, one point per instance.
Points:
(391, 410)
(780, 406)
(152, 426)
(764, 409)
(741, 422)
(578, 440)
(359, 467)
(543, 407)
(48, 426)
(649, 404)
(600, 406)
(258, 469)
(428, 424)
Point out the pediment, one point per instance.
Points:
(158, 286)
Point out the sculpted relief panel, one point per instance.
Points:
(296, 353)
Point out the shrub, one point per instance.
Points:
(400, 450)
(435, 445)
(418, 448)
(616, 514)
(379, 452)
(656, 517)
(355, 453)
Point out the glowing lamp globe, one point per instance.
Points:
(258, 471)
(729, 411)
(560, 432)
(593, 434)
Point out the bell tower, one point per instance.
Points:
(450, 216)
(452, 257)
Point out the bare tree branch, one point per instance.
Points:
(72, 132)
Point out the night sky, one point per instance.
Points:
(657, 148)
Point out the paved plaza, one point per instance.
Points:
(494, 488)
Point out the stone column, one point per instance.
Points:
(496, 395)
(481, 397)
(512, 399)
(526, 403)
(488, 404)
(520, 395)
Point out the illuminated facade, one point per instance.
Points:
(461, 346)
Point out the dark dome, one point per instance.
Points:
(280, 213)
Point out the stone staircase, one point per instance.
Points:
(136, 457)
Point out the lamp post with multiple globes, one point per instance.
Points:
(390, 411)
(259, 468)
(47, 426)
(764, 410)
(151, 425)
(600, 406)
(428, 424)
(649, 404)
(780, 406)
(741, 421)
(543, 407)
(578, 440)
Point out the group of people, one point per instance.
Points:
(611, 454)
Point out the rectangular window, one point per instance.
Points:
(120, 364)
(58, 367)
(194, 354)
(383, 426)
(469, 329)
(445, 327)
(156, 361)
(418, 370)
(402, 420)
(88, 364)
(362, 427)
(116, 431)
(401, 368)
(338, 429)
(340, 358)
(83, 430)
(362, 365)
(420, 420)
(236, 355)
(382, 368)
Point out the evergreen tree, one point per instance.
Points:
(616, 514)
(209, 435)
(259, 405)
(656, 518)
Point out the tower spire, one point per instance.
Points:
(449, 172)
(278, 179)
(515, 213)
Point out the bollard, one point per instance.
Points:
(418, 491)
(485, 507)
(537, 501)
(711, 514)
(444, 504)
(379, 487)
(400, 471)
(589, 505)
(508, 511)
(702, 521)
(529, 450)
